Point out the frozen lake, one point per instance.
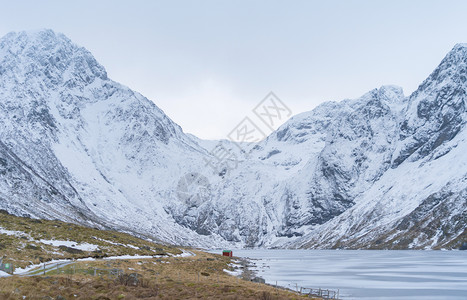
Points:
(366, 274)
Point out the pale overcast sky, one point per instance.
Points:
(208, 63)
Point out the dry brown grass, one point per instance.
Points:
(166, 278)
(21, 251)
(196, 277)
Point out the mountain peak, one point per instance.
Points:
(46, 53)
(43, 39)
(457, 55)
(44, 33)
(460, 46)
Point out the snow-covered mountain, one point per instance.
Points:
(381, 171)
(79, 146)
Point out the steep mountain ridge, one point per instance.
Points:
(420, 202)
(92, 142)
(77, 146)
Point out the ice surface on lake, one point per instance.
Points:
(367, 274)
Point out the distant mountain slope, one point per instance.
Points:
(78, 146)
(421, 201)
(381, 171)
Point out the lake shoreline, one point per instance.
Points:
(364, 274)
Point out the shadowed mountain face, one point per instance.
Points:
(381, 171)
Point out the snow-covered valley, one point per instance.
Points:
(383, 171)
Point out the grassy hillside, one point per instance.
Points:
(31, 241)
(25, 242)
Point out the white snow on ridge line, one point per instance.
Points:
(106, 241)
(116, 244)
(87, 246)
(24, 271)
(131, 257)
(184, 254)
(12, 232)
(237, 269)
(55, 243)
(71, 244)
(4, 274)
(233, 273)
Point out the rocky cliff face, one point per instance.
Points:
(419, 199)
(381, 171)
(79, 146)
